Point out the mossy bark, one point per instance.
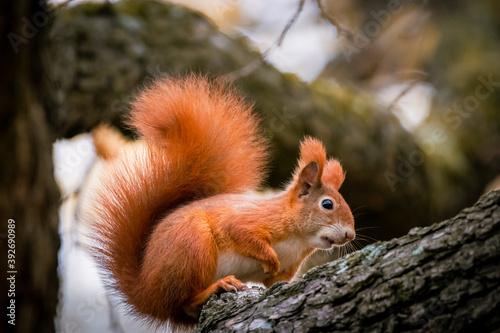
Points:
(442, 278)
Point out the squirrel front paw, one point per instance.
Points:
(230, 283)
(271, 267)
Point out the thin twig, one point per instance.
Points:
(406, 90)
(348, 33)
(290, 23)
(254, 65)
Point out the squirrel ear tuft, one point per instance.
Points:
(309, 176)
(333, 174)
(312, 149)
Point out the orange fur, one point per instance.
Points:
(172, 222)
(333, 173)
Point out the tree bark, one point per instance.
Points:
(29, 195)
(442, 278)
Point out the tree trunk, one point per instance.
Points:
(29, 196)
(442, 278)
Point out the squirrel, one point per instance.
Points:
(176, 219)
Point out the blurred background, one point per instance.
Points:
(405, 93)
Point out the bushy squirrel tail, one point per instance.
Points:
(200, 139)
(207, 129)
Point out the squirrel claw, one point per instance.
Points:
(230, 283)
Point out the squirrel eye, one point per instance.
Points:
(327, 204)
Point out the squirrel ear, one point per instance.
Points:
(308, 177)
(333, 174)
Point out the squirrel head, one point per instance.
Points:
(322, 214)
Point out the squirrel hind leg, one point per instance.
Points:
(229, 283)
(108, 141)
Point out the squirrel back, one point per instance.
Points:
(200, 139)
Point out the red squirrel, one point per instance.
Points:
(174, 219)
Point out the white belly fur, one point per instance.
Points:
(246, 269)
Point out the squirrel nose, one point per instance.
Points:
(349, 235)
